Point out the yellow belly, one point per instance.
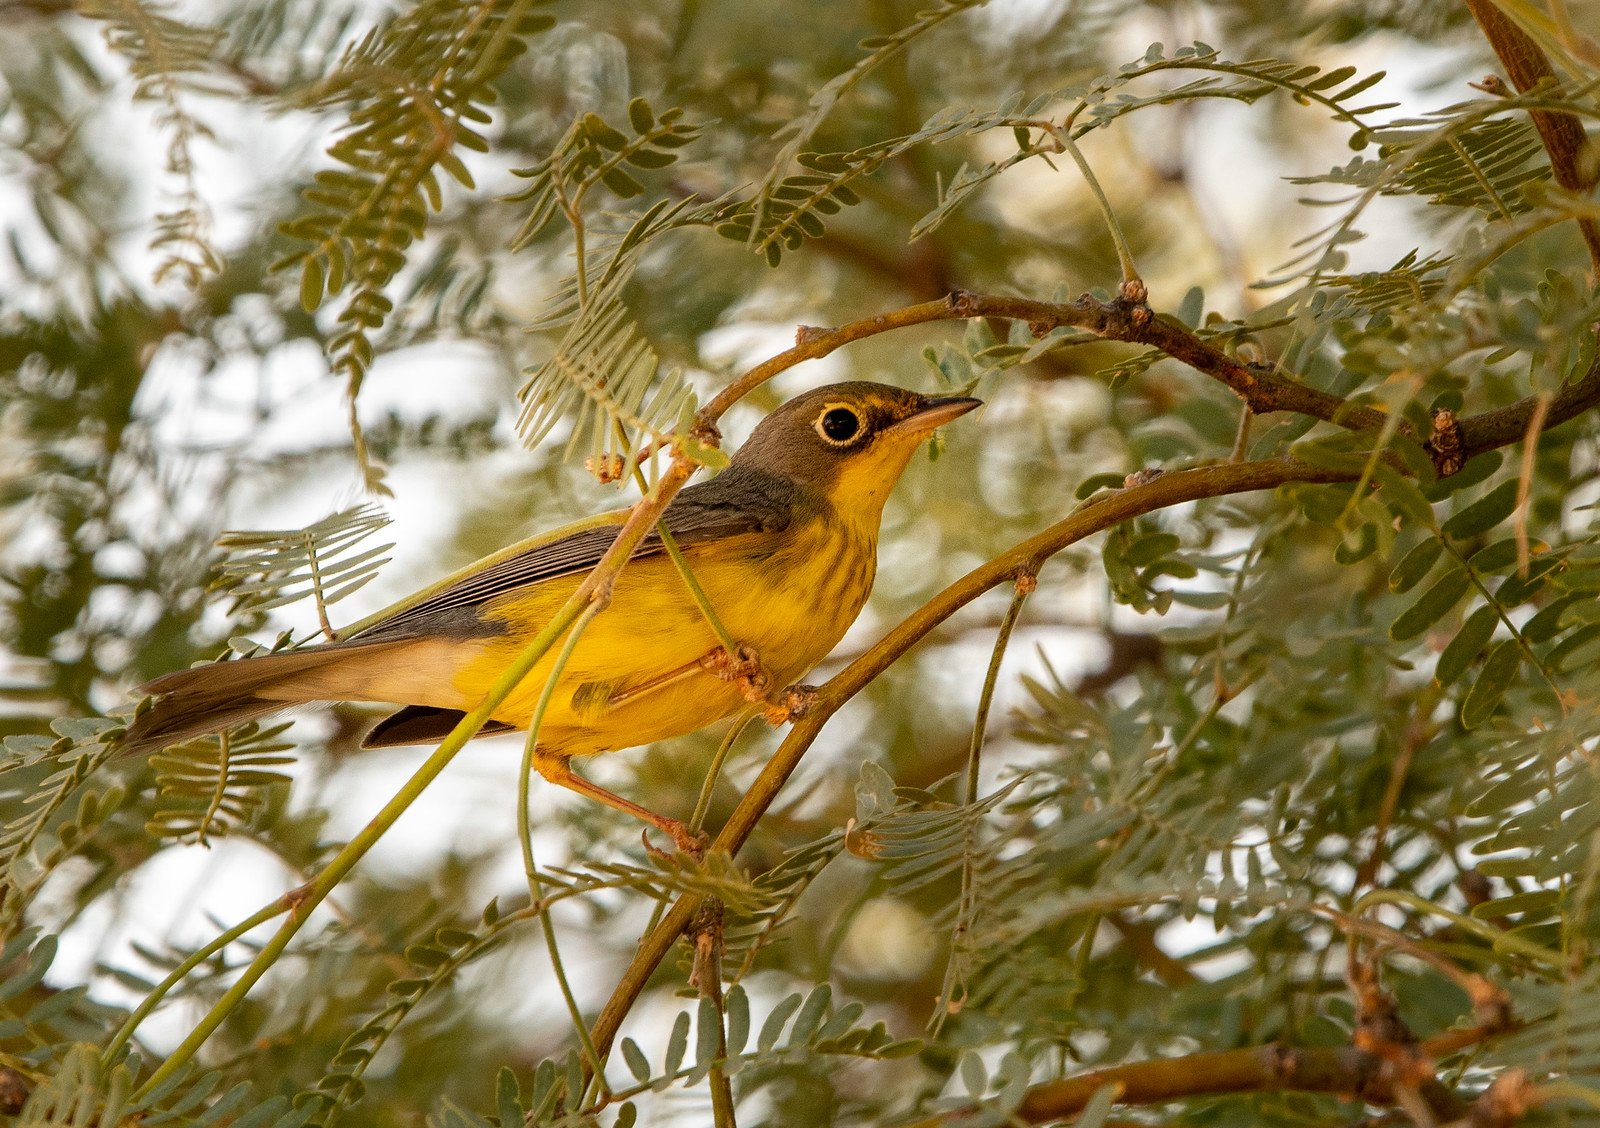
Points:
(791, 596)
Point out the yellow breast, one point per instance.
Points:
(790, 595)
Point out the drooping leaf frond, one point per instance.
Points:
(786, 209)
(212, 785)
(1411, 281)
(797, 134)
(1484, 166)
(276, 567)
(607, 379)
(83, 747)
(411, 87)
(168, 57)
(592, 152)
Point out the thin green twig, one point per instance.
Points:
(697, 591)
(525, 837)
(1080, 973)
(1063, 138)
(704, 802)
(309, 896)
(1500, 941)
(574, 213)
(724, 638)
(317, 593)
(1505, 618)
(109, 1056)
(224, 747)
(966, 905)
(1025, 583)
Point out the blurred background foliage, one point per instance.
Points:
(255, 277)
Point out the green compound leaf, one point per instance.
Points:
(1483, 514)
(1415, 565)
(1493, 680)
(1433, 605)
(1469, 642)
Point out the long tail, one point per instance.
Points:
(209, 699)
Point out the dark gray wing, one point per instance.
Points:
(736, 501)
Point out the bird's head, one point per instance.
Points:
(849, 441)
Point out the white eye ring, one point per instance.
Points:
(837, 416)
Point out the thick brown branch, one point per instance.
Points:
(1563, 136)
(1505, 425)
(1257, 1069)
(1264, 390)
(1469, 436)
(1093, 516)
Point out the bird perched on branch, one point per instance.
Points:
(783, 544)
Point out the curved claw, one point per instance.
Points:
(693, 844)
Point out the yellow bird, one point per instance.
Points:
(784, 543)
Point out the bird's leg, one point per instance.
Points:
(557, 769)
(653, 684)
(744, 670)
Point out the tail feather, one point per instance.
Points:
(209, 699)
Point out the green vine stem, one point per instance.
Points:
(594, 590)
(703, 804)
(703, 601)
(1063, 138)
(1025, 583)
(199, 956)
(309, 896)
(697, 591)
(1501, 941)
(525, 839)
(1505, 619)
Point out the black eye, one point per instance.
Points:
(839, 424)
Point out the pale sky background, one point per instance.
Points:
(178, 896)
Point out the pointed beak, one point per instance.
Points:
(935, 412)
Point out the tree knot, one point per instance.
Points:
(1445, 445)
(607, 468)
(1507, 1100)
(790, 704)
(963, 303)
(705, 432)
(1281, 1063)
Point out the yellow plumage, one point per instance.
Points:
(783, 543)
(791, 607)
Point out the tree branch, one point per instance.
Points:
(1140, 938)
(1464, 438)
(1562, 134)
(1503, 426)
(1098, 513)
(1263, 389)
(1257, 1069)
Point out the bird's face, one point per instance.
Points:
(849, 441)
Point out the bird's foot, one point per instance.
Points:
(691, 842)
(744, 669)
